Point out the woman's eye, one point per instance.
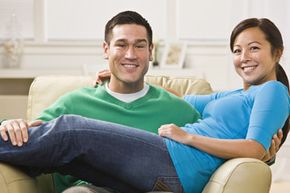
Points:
(254, 48)
(237, 51)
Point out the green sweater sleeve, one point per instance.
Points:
(63, 182)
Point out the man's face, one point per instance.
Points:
(128, 53)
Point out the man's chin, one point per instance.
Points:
(130, 81)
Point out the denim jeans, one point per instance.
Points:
(106, 154)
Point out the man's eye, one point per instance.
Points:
(140, 46)
(120, 45)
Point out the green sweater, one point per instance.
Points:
(157, 107)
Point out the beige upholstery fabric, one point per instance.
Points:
(182, 85)
(14, 181)
(240, 175)
(243, 175)
(45, 90)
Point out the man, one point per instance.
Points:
(126, 99)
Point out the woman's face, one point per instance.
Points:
(253, 58)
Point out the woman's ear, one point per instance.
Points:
(278, 54)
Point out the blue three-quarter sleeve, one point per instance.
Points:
(269, 113)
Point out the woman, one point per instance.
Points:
(257, 47)
(238, 123)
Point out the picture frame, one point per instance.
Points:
(173, 55)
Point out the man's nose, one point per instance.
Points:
(130, 53)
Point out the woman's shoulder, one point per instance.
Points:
(273, 85)
(270, 89)
(273, 82)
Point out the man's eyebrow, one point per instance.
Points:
(136, 41)
(141, 41)
(121, 40)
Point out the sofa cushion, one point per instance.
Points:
(45, 90)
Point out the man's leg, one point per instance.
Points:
(48, 151)
(131, 156)
(83, 171)
(86, 189)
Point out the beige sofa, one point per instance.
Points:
(241, 175)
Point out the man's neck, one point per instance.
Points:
(122, 88)
(128, 97)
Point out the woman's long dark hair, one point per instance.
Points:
(274, 37)
(282, 77)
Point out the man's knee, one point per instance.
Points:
(86, 189)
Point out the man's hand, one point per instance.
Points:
(103, 76)
(16, 130)
(275, 145)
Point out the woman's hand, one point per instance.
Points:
(103, 76)
(175, 133)
(16, 130)
(275, 146)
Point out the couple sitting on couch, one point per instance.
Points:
(226, 125)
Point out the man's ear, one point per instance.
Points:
(106, 48)
(151, 52)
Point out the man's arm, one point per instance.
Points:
(16, 130)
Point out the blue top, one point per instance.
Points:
(256, 114)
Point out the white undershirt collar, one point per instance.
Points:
(127, 98)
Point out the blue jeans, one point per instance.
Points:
(106, 154)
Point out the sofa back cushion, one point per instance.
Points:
(44, 90)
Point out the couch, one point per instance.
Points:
(240, 175)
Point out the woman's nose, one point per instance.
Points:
(245, 56)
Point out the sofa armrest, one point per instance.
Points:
(15, 181)
(240, 175)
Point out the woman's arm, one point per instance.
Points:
(223, 148)
(269, 112)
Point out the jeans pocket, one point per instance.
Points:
(168, 184)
